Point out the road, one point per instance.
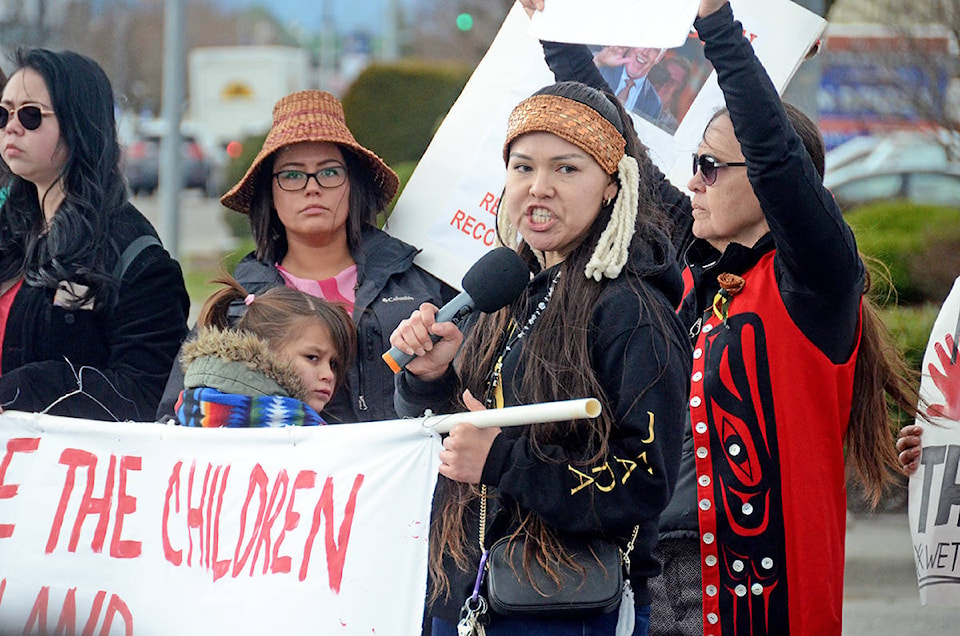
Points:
(202, 231)
(880, 582)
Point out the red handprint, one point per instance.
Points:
(948, 380)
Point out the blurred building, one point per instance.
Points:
(30, 21)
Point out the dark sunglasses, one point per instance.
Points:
(30, 116)
(708, 165)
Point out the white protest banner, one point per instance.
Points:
(448, 208)
(626, 22)
(142, 529)
(934, 490)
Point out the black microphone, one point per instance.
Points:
(494, 281)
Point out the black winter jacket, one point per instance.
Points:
(389, 288)
(642, 359)
(121, 354)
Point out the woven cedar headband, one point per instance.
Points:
(571, 121)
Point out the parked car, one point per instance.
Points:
(141, 164)
(933, 186)
(902, 150)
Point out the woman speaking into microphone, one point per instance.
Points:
(595, 320)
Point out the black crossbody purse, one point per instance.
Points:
(593, 586)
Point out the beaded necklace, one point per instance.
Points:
(493, 397)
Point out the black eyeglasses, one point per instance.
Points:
(708, 165)
(30, 116)
(328, 177)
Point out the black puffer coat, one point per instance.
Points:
(120, 354)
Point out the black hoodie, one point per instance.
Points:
(642, 359)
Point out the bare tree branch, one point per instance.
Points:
(904, 71)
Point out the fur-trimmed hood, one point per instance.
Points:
(237, 361)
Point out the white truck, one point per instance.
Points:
(232, 89)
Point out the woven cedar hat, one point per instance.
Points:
(311, 115)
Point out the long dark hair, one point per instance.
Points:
(269, 234)
(77, 244)
(280, 313)
(553, 372)
(882, 380)
(883, 384)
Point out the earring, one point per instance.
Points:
(607, 201)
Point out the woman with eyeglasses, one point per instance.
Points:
(791, 365)
(92, 307)
(312, 195)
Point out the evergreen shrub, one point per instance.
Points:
(394, 109)
(919, 244)
(238, 223)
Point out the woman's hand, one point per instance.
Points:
(710, 6)
(466, 448)
(413, 336)
(908, 448)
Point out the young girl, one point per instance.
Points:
(279, 366)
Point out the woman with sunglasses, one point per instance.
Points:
(91, 306)
(790, 364)
(312, 195)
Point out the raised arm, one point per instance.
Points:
(820, 274)
(814, 244)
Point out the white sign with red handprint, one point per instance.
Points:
(935, 487)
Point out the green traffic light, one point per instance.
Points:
(464, 21)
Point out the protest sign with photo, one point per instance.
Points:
(448, 208)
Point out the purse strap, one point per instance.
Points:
(483, 517)
(625, 554)
(132, 251)
(482, 532)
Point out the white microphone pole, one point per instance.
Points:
(518, 415)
